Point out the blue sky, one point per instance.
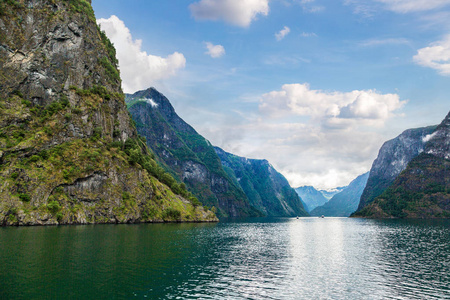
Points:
(314, 86)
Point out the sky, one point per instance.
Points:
(313, 86)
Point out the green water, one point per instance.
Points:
(307, 258)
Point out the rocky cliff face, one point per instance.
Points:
(392, 159)
(344, 203)
(422, 190)
(186, 154)
(68, 151)
(266, 189)
(311, 197)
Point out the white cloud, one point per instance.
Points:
(284, 60)
(313, 137)
(151, 102)
(214, 51)
(407, 6)
(368, 8)
(428, 137)
(282, 33)
(308, 34)
(387, 41)
(436, 56)
(332, 108)
(237, 12)
(138, 69)
(309, 6)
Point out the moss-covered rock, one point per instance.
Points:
(69, 152)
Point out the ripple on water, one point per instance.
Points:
(331, 258)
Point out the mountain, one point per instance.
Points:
(311, 197)
(344, 203)
(392, 159)
(422, 190)
(331, 192)
(187, 155)
(69, 153)
(266, 189)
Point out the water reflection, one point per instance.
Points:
(307, 258)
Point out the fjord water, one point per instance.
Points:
(306, 258)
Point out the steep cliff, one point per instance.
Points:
(266, 189)
(311, 197)
(344, 203)
(186, 154)
(392, 159)
(68, 150)
(422, 190)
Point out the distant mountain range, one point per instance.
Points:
(331, 192)
(311, 197)
(344, 203)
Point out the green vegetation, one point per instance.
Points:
(83, 7)
(4, 11)
(97, 90)
(111, 71)
(24, 197)
(171, 214)
(136, 150)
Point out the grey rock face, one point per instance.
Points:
(438, 142)
(195, 171)
(392, 159)
(87, 187)
(45, 56)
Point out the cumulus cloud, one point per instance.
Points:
(282, 33)
(313, 137)
(236, 12)
(407, 6)
(304, 152)
(214, 51)
(333, 108)
(436, 56)
(138, 69)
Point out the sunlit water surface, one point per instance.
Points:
(306, 258)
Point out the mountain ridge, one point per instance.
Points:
(186, 154)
